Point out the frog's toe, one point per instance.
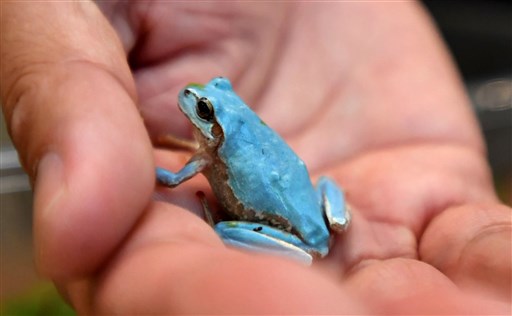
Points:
(334, 205)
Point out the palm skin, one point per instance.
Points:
(364, 93)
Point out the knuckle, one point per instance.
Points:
(18, 101)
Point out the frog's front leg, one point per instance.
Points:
(264, 239)
(195, 165)
(333, 203)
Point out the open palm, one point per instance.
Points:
(363, 92)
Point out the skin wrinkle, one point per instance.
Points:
(15, 90)
(270, 109)
(27, 91)
(151, 19)
(428, 238)
(281, 41)
(484, 232)
(71, 47)
(414, 143)
(253, 87)
(158, 94)
(135, 17)
(411, 148)
(403, 273)
(365, 257)
(331, 98)
(361, 259)
(381, 243)
(328, 102)
(243, 69)
(141, 31)
(459, 260)
(377, 68)
(238, 67)
(19, 122)
(496, 285)
(38, 71)
(469, 263)
(436, 137)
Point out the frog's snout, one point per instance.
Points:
(189, 93)
(186, 100)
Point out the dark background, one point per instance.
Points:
(479, 35)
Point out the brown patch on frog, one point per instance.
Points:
(217, 131)
(218, 178)
(314, 253)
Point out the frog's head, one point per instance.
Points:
(205, 105)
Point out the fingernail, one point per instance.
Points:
(49, 184)
(48, 191)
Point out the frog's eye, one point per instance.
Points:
(204, 109)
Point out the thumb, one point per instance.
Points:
(69, 102)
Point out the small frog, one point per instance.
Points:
(258, 180)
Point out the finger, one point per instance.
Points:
(471, 244)
(406, 286)
(367, 241)
(393, 198)
(176, 264)
(70, 105)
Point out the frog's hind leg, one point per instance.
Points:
(257, 237)
(333, 203)
(264, 239)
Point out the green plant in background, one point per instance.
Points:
(41, 300)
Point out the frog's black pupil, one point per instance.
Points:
(204, 110)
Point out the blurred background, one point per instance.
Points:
(479, 35)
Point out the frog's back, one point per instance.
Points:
(269, 178)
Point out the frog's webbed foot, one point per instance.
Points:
(170, 179)
(263, 239)
(333, 203)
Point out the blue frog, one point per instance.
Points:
(257, 178)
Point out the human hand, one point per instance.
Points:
(363, 95)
